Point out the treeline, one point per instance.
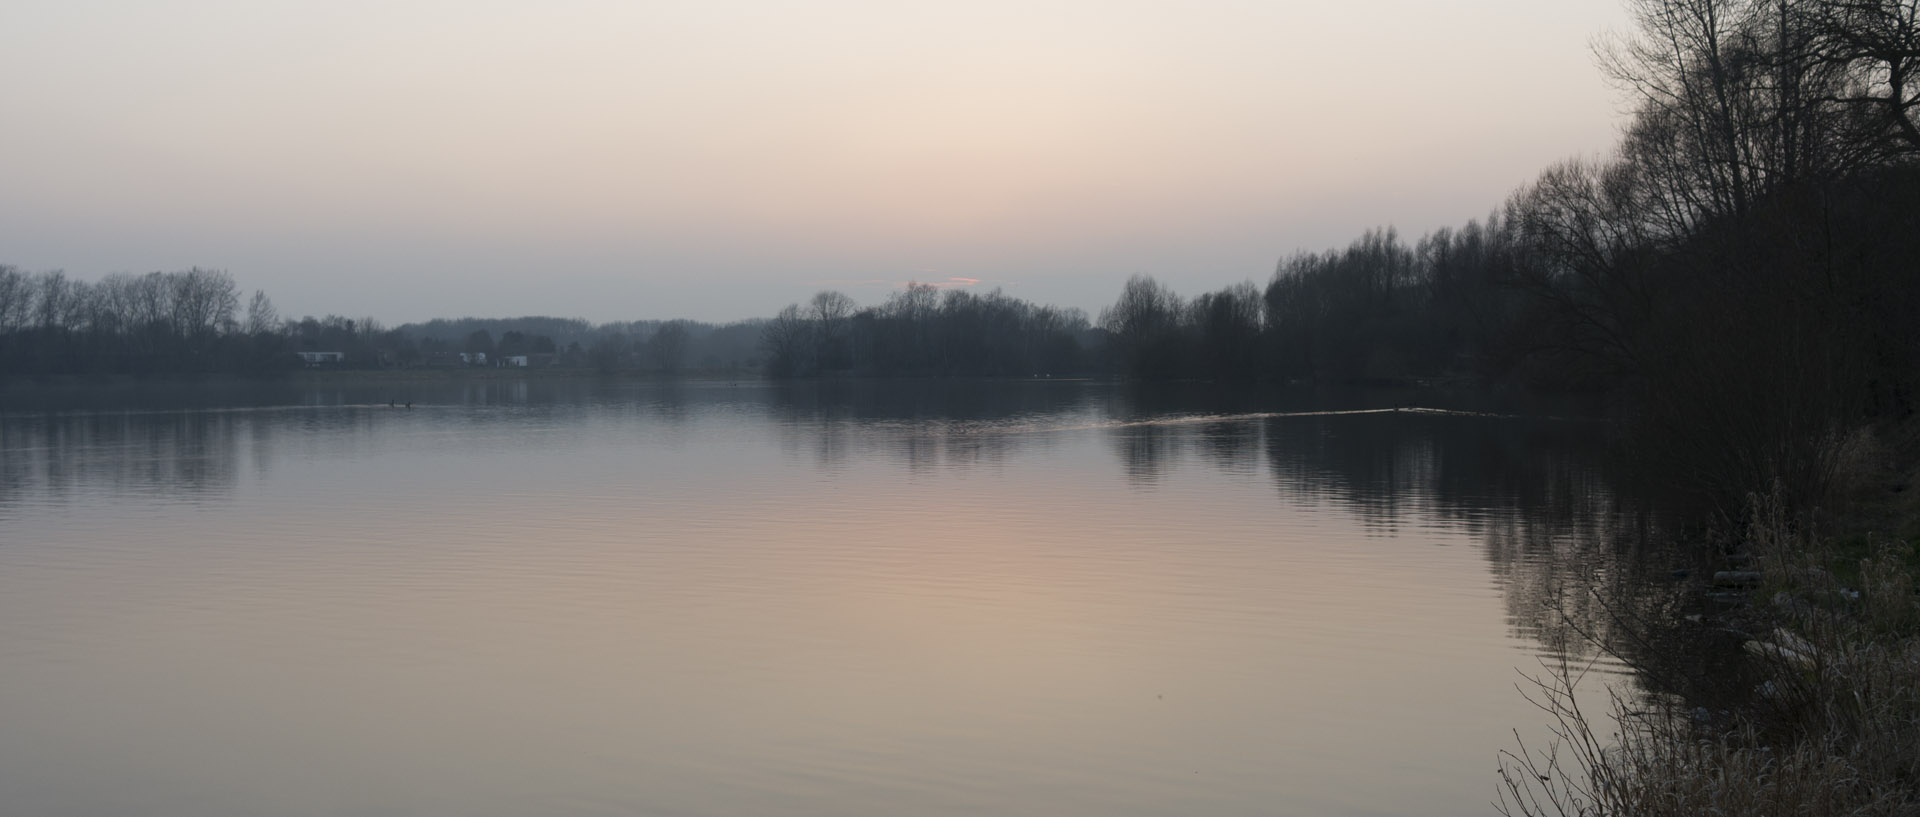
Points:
(923, 331)
(1379, 310)
(192, 322)
(189, 321)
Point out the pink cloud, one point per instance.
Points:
(953, 281)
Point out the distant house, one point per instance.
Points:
(532, 359)
(474, 358)
(323, 358)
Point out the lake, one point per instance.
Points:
(578, 597)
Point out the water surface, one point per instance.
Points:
(571, 597)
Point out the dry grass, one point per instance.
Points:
(1833, 727)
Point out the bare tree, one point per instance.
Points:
(49, 301)
(788, 343)
(1145, 323)
(1229, 325)
(16, 294)
(262, 317)
(204, 302)
(829, 312)
(1876, 43)
(1736, 99)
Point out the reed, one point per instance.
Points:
(1831, 728)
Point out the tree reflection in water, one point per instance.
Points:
(1562, 531)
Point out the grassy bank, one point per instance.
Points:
(1824, 715)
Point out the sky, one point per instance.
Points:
(716, 160)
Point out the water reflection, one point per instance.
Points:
(925, 424)
(711, 598)
(1537, 493)
(1146, 451)
(186, 455)
(1563, 532)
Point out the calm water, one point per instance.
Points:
(559, 598)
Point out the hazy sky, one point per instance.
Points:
(615, 160)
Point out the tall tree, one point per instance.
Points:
(262, 317)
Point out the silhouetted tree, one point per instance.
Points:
(1875, 45)
(1145, 323)
(262, 318)
(1228, 323)
(789, 343)
(828, 313)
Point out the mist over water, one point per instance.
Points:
(603, 597)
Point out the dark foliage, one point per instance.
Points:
(922, 331)
(179, 322)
